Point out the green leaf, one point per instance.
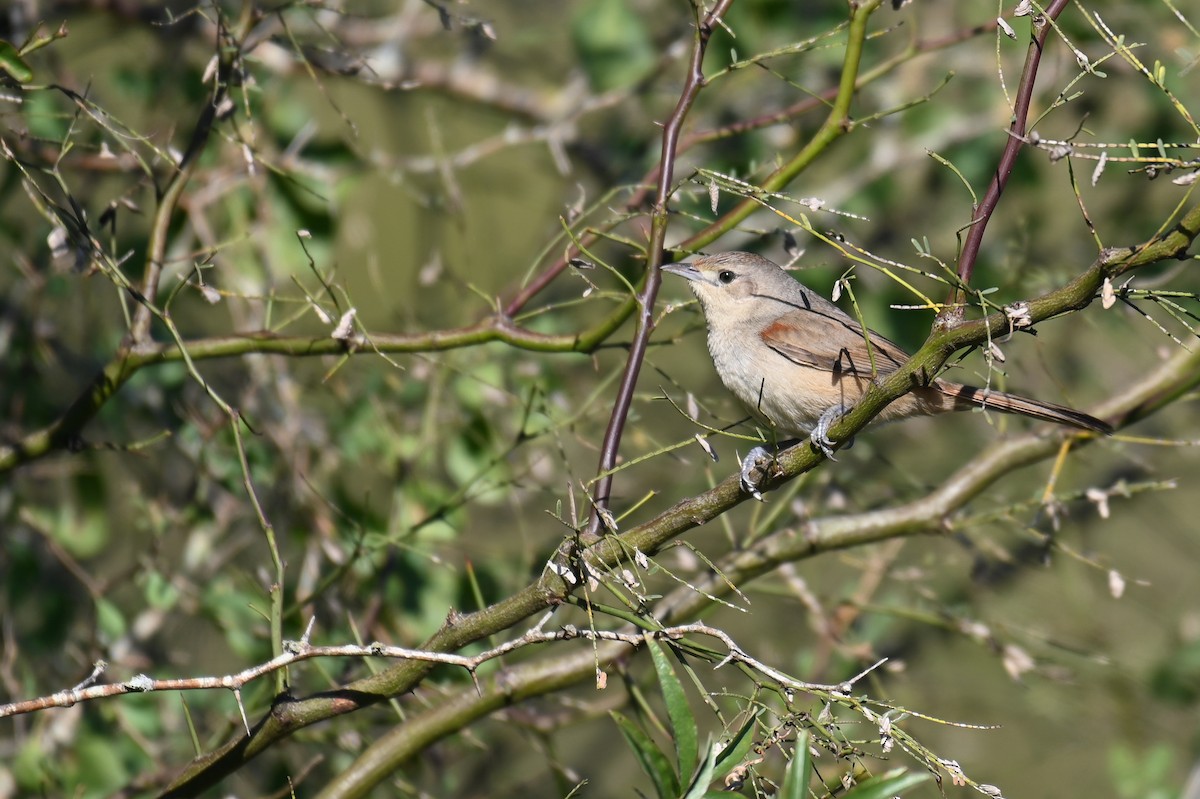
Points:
(683, 723)
(12, 63)
(110, 621)
(31, 766)
(1141, 772)
(1176, 678)
(799, 770)
(98, 763)
(160, 592)
(891, 784)
(735, 750)
(704, 776)
(652, 759)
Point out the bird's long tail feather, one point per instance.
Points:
(1036, 409)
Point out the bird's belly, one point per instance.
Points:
(789, 398)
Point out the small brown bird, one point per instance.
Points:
(798, 361)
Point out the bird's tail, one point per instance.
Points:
(968, 396)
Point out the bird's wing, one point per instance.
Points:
(841, 348)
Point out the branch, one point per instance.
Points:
(1042, 24)
(297, 651)
(168, 201)
(837, 123)
(538, 678)
(654, 249)
(65, 433)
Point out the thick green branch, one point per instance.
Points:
(836, 124)
(66, 431)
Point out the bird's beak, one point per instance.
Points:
(685, 270)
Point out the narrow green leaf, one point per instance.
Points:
(683, 723)
(653, 760)
(891, 784)
(12, 63)
(735, 751)
(698, 787)
(799, 770)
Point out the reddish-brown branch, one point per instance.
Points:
(658, 234)
(1008, 159)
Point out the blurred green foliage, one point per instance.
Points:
(398, 160)
(613, 44)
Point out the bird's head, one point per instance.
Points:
(735, 284)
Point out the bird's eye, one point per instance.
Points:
(725, 276)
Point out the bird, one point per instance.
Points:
(798, 362)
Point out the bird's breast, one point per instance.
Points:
(787, 396)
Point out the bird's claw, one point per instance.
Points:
(755, 468)
(820, 433)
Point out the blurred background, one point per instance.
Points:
(423, 161)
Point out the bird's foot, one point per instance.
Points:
(755, 469)
(820, 433)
